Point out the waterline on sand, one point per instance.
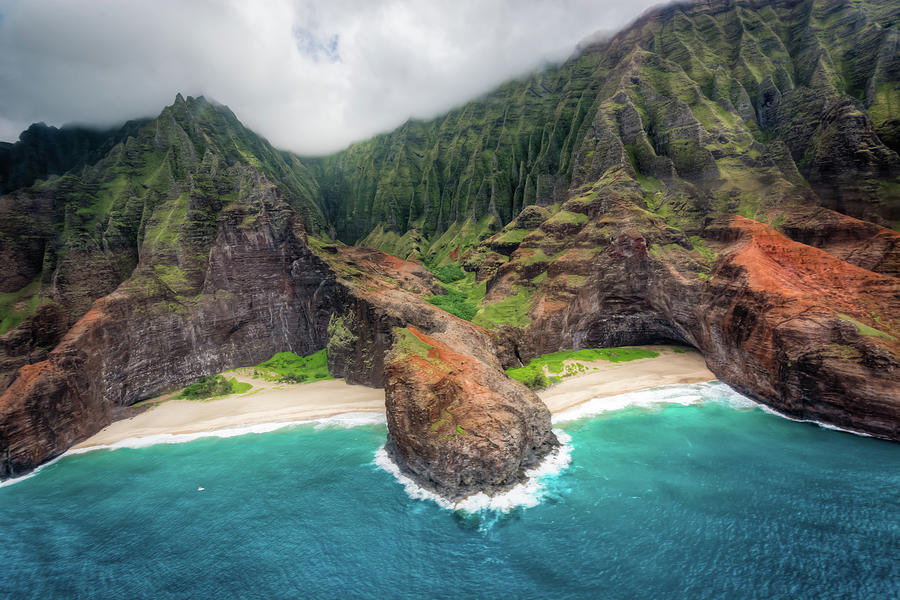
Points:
(345, 421)
(657, 397)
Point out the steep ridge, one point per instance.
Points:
(154, 198)
(725, 106)
(718, 174)
(44, 150)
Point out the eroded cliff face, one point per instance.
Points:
(265, 290)
(458, 425)
(786, 323)
(720, 174)
(812, 330)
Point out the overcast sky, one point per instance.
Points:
(310, 75)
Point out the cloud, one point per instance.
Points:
(310, 75)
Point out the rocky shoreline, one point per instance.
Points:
(628, 196)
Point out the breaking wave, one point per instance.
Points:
(524, 495)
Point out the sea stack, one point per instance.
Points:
(457, 425)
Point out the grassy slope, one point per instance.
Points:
(684, 93)
(16, 306)
(544, 370)
(285, 367)
(289, 367)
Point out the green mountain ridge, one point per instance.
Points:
(707, 104)
(154, 199)
(44, 150)
(696, 110)
(722, 174)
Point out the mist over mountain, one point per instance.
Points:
(310, 76)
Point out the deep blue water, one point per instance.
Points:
(697, 501)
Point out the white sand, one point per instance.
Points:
(266, 403)
(275, 403)
(610, 379)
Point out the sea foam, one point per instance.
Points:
(772, 411)
(524, 495)
(684, 394)
(344, 421)
(15, 480)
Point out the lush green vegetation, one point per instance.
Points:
(463, 293)
(865, 329)
(15, 307)
(291, 368)
(535, 376)
(512, 310)
(239, 387)
(213, 386)
(707, 253)
(410, 342)
(569, 218)
(455, 303)
(449, 273)
(512, 236)
(517, 145)
(464, 299)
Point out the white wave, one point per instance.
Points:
(345, 420)
(684, 394)
(772, 411)
(524, 495)
(350, 420)
(15, 480)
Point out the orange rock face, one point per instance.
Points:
(797, 327)
(816, 334)
(458, 425)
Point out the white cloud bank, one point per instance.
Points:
(310, 75)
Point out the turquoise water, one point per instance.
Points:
(704, 500)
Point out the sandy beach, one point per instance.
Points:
(270, 402)
(611, 379)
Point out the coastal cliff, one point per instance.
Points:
(217, 284)
(719, 174)
(458, 425)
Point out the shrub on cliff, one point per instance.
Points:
(455, 303)
(532, 376)
(208, 387)
(448, 273)
(290, 368)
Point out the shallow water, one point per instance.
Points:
(701, 497)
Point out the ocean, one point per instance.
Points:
(681, 492)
